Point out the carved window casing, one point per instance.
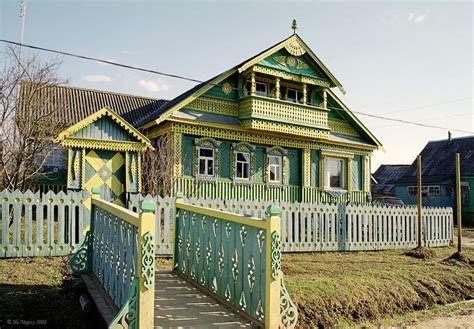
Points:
(206, 159)
(276, 166)
(243, 164)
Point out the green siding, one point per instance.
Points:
(294, 170)
(260, 154)
(188, 155)
(216, 91)
(225, 159)
(104, 129)
(314, 168)
(357, 173)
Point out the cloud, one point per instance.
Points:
(124, 51)
(152, 86)
(96, 78)
(417, 19)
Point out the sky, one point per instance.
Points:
(406, 60)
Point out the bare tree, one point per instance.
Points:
(30, 118)
(157, 168)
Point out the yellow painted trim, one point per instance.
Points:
(250, 221)
(188, 100)
(337, 154)
(296, 141)
(127, 172)
(106, 111)
(98, 144)
(120, 212)
(361, 125)
(146, 296)
(272, 286)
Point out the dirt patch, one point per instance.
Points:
(334, 288)
(459, 257)
(421, 253)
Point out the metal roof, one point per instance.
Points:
(72, 104)
(437, 160)
(386, 175)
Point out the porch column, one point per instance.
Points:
(253, 85)
(305, 93)
(277, 88)
(325, 99)
(176, 150)
(366, 173)
(306, 167)
(349, 174)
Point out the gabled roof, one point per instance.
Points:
(386, 175)
(293, 42)
(69, 132)
(70, 105)
(437, 160)
(351, 116)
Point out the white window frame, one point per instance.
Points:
(327, 178)
(425, 190)
(237, 162)
(279, 168)
(206, 159)
(297, 93)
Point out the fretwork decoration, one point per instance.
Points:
(148, 260)
(291, 61)
(128, 314)
(288, 310)
(291, 76)
(80, 261)
(342, 127)
(276, 254)
(285, 128)
(215, 105)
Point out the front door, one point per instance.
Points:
(106, 170)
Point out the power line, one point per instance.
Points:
(235, 88)
(430, 105)
(412, 122)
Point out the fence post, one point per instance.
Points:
(146, 264)
(273, 268)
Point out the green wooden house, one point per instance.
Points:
(270, 128)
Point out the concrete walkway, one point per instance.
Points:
(178, 304)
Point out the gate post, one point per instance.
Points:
(273, 269)
(146, 264)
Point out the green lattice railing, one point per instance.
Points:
(236, 258)
(119, 250)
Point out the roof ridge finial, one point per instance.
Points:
(294, 26)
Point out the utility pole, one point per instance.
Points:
(420, 200)
(458, 199)
(23, 20)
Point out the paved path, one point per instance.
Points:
(178, 304)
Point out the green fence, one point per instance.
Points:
(237, 259)
(42, 224)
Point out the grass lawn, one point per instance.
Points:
(36, 292)
(332, 289)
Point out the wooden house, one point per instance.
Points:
(438, 176)
(269, 128)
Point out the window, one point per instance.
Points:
(55, 157)
(334, 173)
(433, 191)
(294, 95)
(425, 191)
(275, 168)
(242, 166)
(260, 88)
(206, 162)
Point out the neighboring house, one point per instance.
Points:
(384, 178)
(269, 128)
(438, 176)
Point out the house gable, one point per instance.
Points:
(104, 130)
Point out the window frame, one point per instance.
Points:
(343, 178)
(297, 92)
(248, 163)
(425, 191)
(206, 158)
(280, 168)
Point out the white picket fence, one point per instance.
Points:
(324, 227)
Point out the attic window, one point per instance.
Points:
(294, 95)
(260, 88)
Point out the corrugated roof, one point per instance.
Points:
(386, 175)
(71, 104)
(437, 160)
